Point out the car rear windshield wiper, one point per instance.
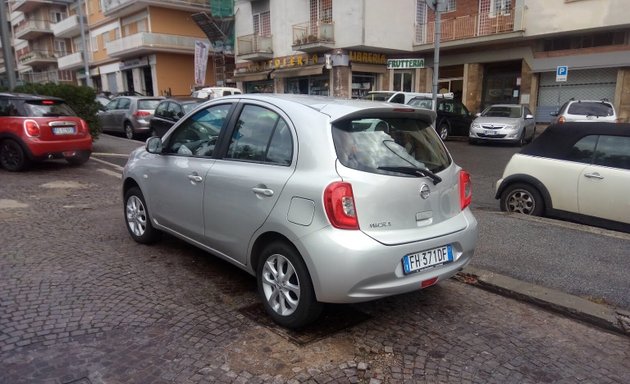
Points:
(414, 172)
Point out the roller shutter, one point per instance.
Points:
(591, 84)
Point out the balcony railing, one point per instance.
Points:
(30, 29)
(255, 47)
(146, 42)
(465, 27)
(47, 77)
(71, 61)
(313, 37)
(37, 57)
(67, 28)
(114, 7)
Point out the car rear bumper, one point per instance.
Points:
(349, 266)
(58, 148)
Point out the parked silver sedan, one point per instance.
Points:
(512, 123)
(312, 195)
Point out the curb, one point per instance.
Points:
(603, 316)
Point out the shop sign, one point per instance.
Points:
(405, 63)
(134, 63)
(292, 61)
(367, 57)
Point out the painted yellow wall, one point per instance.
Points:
(94, 13)
(177, 72)
(173, 22)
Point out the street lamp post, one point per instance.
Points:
(86, 64)
(7, 50)
(438, 6)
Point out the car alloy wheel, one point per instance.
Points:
(522, 198)
(443, 131)
(129, 131)
(12, 156)
(285, 286)
(137, 217)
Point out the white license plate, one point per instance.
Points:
(490, 133)
(63, 130)
(420, 260)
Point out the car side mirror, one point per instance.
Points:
(154, 145)
(477, 114)
(529, 117)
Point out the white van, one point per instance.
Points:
(402, 97)
(214, 92)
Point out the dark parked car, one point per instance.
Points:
(129, 114)
(453, 118)
(169, 111)
(34, 128)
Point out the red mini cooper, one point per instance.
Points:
(35, 128)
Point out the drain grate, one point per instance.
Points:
(335, 318)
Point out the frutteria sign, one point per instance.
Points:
(405, 63)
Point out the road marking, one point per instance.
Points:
(121, 155)
(116, 166)
(110, 172)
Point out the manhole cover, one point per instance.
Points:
(334, 319)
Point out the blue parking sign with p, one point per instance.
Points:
(561, 72)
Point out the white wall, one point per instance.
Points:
(555, 16)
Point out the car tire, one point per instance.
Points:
(12, 156)
(533, 135)
(522, 140)
(285, 287)
(137, 217)
(522, 198)
(80, 158)
(442, 130)
(129, 132)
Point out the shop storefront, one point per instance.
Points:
(368, 69)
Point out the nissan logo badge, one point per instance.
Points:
(425, 191)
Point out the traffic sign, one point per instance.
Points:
(562, 71)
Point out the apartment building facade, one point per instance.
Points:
(141, 46)
(492, 51)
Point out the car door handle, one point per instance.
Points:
(263, 191)
(594, 175)
(195, 178)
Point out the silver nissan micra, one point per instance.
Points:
(323, 200)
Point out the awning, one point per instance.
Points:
(299, 71)
(370, 68)
(255, 76)
(599, 60)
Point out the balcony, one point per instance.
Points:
(32, 29)
(145, 43)
(254, 47)
(313, 37)
(71, 62)
(35, 58)
(125, 7)
(47, 77)
(485, 26)
(29, 5)
(67, 28)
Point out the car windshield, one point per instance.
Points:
(503, 111)
(389, 145)
(377, 96)
(590, 109)
(148, 104)
(46, 108)
(421, 103)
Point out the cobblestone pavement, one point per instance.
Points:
(80, 302)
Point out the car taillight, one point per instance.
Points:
(339, 204)
(142, 114)
(31, 128)
(561, 119)
(465, 189)
(83, 127)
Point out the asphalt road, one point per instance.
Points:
(586, 261)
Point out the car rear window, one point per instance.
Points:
(594, 109)
(148, 104)
(47, 108)
(378, 145)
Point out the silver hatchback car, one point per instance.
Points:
(323, 200)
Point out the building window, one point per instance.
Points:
(362, 84)
(321, 10)
(57, 16)
(500, 7)
(450, 6)
(60, 48)
(403, 81)
(262, 23)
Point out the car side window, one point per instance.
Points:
(8, 108)
(613, 151)
(398, 98)
(583, 150)
(160, 111)
(261, 135)
(198, 134)
(111, 105)
(123, 103)
(173, 111)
